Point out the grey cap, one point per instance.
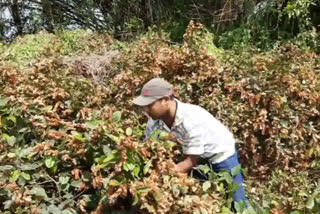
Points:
(152, 91)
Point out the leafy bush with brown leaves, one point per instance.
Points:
(65, 149)
(270, 101)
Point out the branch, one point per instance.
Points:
(79, 21)
(70, 11)
(57, 185)
(6, 4)
(75, 15)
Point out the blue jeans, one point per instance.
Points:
(228, 164)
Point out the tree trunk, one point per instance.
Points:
(47, 13)
(149, 12)
(16, 16)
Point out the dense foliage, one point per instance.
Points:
(236, 22)
(61, 145)
(71, 143)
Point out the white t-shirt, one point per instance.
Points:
(201, 133)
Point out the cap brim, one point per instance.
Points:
(143, 101)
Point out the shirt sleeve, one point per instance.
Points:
(149, 128)
(193, 143)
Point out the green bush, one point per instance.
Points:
(27, 48)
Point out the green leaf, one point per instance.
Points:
(136, 171)
(46, 108)
(314, 164)
(240, 206)
(221, 187)
(104, 199)
(26, 176)
(24, 130)
(11, 140)
(204, 168)
(14, 176)
(50, 162)
(3, 101)
(275, 203)
(65, 187)
(128, 166)
(25, 152)
(106, 150)
(233, 187)
(76, 183)
(158, 195)
(114, 138)
(147, 167)
(29, 166)
(6, 168)
(8, 204)
(144, 189)
(64, 179)
(235, 170)
(251, 210)
(68, 211)
(310, 203)
(11, 155)
(163, 135)
(21, 181)
(12, 118)
(129, 131)
(116, 116)
(176, 190)
(169, 144)
(93, 124)
(78, 136)
(5, 192)
(114, 182)
(136, 200)
(303, 193)
(206, 185)
(150, 208)
(115, 157)
(120, 130)
(225, 175)
(99, 159)
(86, 176)
(53, 209)
(54, 169)
(38, 191)
(295, 212)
